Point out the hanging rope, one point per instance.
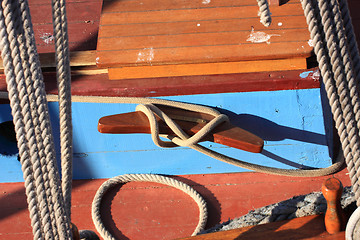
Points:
(31, 120)
(328, 32)
(264, 12)
(63, 76)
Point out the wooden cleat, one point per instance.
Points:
(191, 122)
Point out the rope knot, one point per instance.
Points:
(180, 138)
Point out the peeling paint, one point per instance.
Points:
(47, 37)
(206, 1)
(198, 24)
(305, 74)
(280, 24)
(146, 55)
(97, 60)
(260, 37)
(313, 74)
(310, 42)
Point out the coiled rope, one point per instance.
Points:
(95, 211)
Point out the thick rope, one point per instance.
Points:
(34, 142)
(63, 75)
(335, 64)
(264, 12)
(95, 211)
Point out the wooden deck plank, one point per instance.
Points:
(205, 26)
(146, 5)
(187, 45)
(206, 69)
(195, 14)
(203, 54)
(201, 39)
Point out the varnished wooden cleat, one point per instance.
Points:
(191, 122)
(75, 232)
(334, 217)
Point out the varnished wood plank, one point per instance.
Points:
(195, 14)
(200, 39)
(146, 5)
(198, 54)
(206, 68)
(311, 227)
(225, 25)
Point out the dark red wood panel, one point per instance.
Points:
(100, 85)
(83, 23)
(153, 211)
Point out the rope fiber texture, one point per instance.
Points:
(264, 12)
(336, 51)
(32, 125)
(63, 76)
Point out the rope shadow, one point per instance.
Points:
(213, 205)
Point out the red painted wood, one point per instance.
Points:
(310, 227)
(152, 211)
(99, 85)
(83, 23)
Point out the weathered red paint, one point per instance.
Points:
(153, 211)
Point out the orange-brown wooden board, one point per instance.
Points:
(147, 5)
(206, 68)
(202, 54)
(153, 211)
(168, 32)
(310, 227)
(195, 14)
(202, 39)
(206, 26)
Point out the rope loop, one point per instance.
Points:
(95, 211)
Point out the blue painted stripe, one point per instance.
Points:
(291, 123)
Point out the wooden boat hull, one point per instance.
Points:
(291, 122)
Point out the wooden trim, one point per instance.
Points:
(206, 69)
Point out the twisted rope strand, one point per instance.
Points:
(350, 37)
(264, 12)
(344, 83)
(19, 85)
(62, 57)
